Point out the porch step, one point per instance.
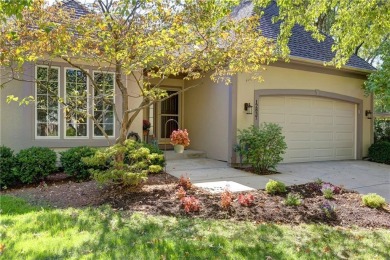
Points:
(187, 154)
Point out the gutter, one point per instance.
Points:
(321, 64)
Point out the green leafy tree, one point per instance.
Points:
(142, 40)
(12, 8)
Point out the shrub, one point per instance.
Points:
(126, 164)
(7, 162)
(274, 187)
(226, 199)
(190, 204)
(327, 190)
(262, 147)
(72, 163)
(185, 182)
(328, 209)
(246, 200)
(373, 200)
(380, 152)
(382, 129)
(35, 163)
(181, 193)
(293, 199)
(156, 160)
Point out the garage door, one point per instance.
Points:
(316, 129)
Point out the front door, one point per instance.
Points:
(168, 116)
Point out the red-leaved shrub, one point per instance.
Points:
(190, 204)
(246, 200)
(185, 182)
(226, 199)
(181, 193)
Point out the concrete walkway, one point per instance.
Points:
(362, 176)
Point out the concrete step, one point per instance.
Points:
(187, 154)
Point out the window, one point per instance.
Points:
(76, 98)
(103, 103)
(47, 106)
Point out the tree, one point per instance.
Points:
(353, 24)
(12, 7)
(141, 39)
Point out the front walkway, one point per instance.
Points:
(362, 176)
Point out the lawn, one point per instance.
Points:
(31, 232)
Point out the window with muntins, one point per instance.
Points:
(76, 99)
(47, 106)
(103, 103)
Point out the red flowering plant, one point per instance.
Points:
(145, 124)
(180, 137)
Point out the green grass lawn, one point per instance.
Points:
(29, 232)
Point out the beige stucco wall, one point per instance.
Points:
(17, 122)
(206, 112)
(289, 78)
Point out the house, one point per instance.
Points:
(322, 109)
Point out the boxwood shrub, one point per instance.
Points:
(72, 163)
(34, 164)
(380, 152)
(7, 162)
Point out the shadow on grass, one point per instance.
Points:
(103, 233)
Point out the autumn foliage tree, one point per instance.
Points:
(141, 39)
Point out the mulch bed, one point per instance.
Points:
(158, 197)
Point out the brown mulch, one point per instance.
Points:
(158, 197)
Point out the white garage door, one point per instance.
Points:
(316, 129)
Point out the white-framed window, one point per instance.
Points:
(76, 98)
(47, 106)
(103, 99)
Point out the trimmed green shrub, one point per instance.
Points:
(293, 199)
(373, 200)
(274, 187)
(380, 152)
(35, 163)
(7, 162)
(72, 163)
(156, 160)
(262, 147)
(126, 164)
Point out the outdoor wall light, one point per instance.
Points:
(368, 114)
(248, 108)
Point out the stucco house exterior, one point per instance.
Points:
(322, 109)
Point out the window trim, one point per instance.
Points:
(88, 107)
(93, 105)
(58, 104)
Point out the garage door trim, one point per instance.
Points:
(318, 93)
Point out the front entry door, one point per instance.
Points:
(168, 116)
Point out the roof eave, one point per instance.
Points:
(321, 63)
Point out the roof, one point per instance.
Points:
(301, 43)
(78, 8)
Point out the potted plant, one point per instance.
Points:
(179, 140)
(146, 126)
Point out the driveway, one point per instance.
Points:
(362, 176)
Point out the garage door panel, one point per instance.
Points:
(322, 136)
(315, 129)
(321, 120)
(324, 153)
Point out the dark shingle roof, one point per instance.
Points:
(301, 42)
(78, 8)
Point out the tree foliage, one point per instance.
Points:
(352, 24)
(141, 39)
(12, 8)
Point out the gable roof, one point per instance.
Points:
(78, 8)
(301, 43)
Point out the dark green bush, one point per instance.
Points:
(7, 162)
(126, 164)
(380, 152)
(72, 163)
(262, 147)
(382, 129)
(35, 163)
